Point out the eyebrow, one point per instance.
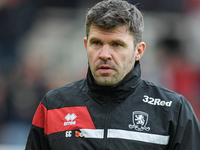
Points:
(113, 41)
(94, 39)
(118, 41)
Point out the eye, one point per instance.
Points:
(117, 44)
(96, 43)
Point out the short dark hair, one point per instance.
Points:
(114, 13)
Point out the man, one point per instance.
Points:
(113, 108)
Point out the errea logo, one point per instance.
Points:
(70, 119)
(156, 101)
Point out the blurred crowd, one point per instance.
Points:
(41, 49)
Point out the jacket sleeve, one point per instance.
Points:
(37, 139)
(187, 131)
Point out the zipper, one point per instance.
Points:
(106, 125)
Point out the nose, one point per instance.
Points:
(105, 52)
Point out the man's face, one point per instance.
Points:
(111, 54)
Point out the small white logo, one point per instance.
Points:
(140, 120)
(68, 133)
(70, 119)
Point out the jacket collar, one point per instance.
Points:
(119, 92)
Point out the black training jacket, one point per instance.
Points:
(134, 115)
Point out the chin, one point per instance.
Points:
(105, 82)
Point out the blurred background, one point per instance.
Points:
(41, 48)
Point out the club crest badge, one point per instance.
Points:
(140, 120)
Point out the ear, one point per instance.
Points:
(140, 48)
(85, 43)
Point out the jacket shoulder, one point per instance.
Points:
(59, 97)
(157, 91)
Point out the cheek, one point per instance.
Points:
(128, 62)
(90, 61)
(92, 58)
(125, 60)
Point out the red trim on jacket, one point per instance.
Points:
(40, 116)
(62, 119)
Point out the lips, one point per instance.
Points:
(105, 67)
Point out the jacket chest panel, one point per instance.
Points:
(130, 123)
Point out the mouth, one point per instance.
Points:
(104, 67)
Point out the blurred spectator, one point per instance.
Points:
(3, 100)
(17, 98)
(58, 3)
(179, 74)
(15, 18)
(192, 5)
(159, 5)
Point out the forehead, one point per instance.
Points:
(120, 32)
